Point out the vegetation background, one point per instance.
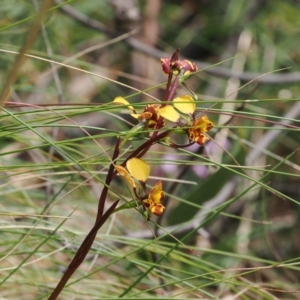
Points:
(231, 226)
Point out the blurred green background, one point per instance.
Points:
(232, 240)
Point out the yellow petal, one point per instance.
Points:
(203, 124)
(123, 172)
(201, 139)
(156, 194)
(185, 104)
(138, 169)
(145, 115)
(169, 113)
(157, 209)
(122, 101)
(135, 115)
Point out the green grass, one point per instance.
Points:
(230, 228)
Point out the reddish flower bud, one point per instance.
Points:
(188, 67)
(165, 63)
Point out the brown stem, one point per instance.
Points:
(173, 59)
(81, 252)
(109, 177)
(168, 86)
(141, 150)
(88, 241)
(173, 89)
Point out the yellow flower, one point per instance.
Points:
(121, 101)
(137, 169)
(169, 113)
(198, 129)
(151, 113)
(123, 172)
(155, 197)
(185, 104)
